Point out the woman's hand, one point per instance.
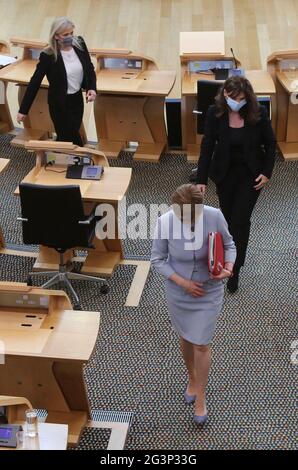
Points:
(194, 288)
(91, 95)
(21, 117)
(261, 180)
(202, 188)
(224, 273)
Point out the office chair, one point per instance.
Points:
(53, 216)
(206, 93)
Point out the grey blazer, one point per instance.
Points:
(169, 255)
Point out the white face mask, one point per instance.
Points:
(235, 105)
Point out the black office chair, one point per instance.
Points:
(53, 216)
(206, 93)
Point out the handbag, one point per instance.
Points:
(215, 253)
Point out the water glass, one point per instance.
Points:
(292, 70)
(31, 423)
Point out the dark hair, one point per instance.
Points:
(234, 86)
(187, 194)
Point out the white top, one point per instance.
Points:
(74, 71)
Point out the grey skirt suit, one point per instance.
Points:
(194, 318)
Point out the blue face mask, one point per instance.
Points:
(66, 41)
(235, 105)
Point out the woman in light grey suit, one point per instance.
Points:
(194, 296)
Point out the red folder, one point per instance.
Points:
(216, 258)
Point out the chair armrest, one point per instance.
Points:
(88, 220)
(21, 219)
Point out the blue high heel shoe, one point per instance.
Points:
(198, 419)
(189, 398)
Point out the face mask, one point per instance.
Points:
(234, 105)
(66, 41)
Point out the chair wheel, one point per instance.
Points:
(77, 307)
(104, 289)
(29, 281)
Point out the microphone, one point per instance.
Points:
(235, 61)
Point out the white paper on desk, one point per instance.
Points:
(6, 60)
(2, 93)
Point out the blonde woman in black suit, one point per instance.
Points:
(67, 65)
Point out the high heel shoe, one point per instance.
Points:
(201, 419)
(189, 398)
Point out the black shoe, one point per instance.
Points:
(232, 284)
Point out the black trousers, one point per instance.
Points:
(67, 120)
(237, 198)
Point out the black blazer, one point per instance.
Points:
(215, 157)
(57, 78)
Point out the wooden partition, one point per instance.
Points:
(283, 67)
(130, 103)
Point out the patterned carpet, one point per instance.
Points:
(136, 366)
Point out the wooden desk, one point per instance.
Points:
(38, 124)
(279, 64)
(50, 437)
(47, 345)
(260, 80)
(286, 81)
(130, 104)
(6, 123)
(110, 189)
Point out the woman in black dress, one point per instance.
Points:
(237, 152)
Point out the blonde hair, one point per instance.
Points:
(59, 25)
(187, 194)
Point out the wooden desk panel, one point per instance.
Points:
(130, 82)
(20, 72)
(130, 107)
(110, 188)
(286, 79)
(202, 43)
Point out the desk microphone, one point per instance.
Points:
(235, 61)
